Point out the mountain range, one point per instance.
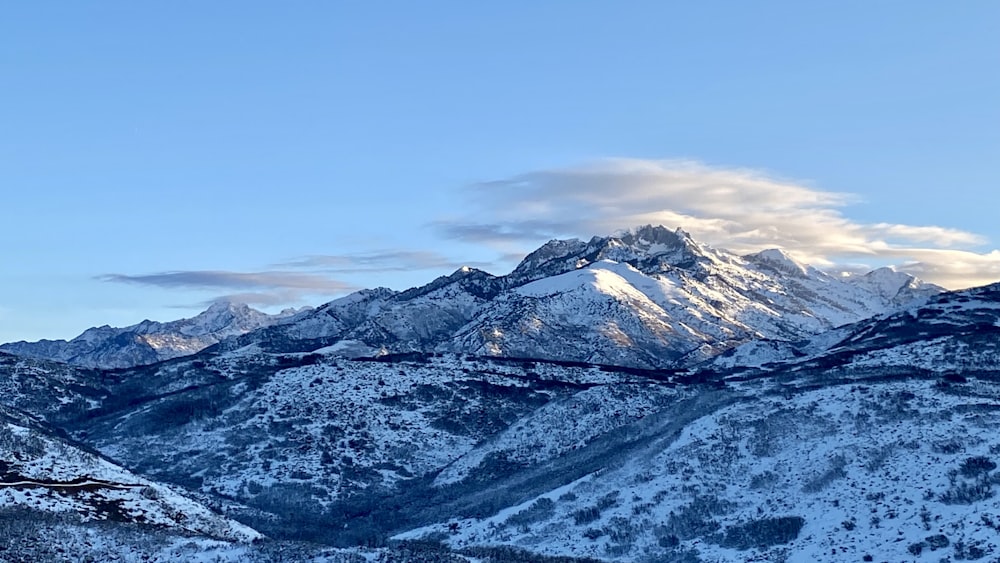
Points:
(646, 298)
(149, 341)
(637, 397)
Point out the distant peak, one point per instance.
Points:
(654, 241)
(890, 279)
(895, 285)
(226, 305)
(780, 260)
(887, 272)
(220, 311)
(774, 255)
(465, 271)
(648, 248)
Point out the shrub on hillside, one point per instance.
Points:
(762, 533)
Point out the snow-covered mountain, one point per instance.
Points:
(649, 298)
(149, 341)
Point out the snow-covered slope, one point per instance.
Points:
(150, 341)
(892, 471)
(654, 297)
(45, 473)
(951, 332)
(875, 441)
(49, 391)
(304, 436)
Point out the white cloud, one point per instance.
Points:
(737, 209)
(214, 279)
(383, 261)
(254, 288)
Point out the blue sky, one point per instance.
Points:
(157, 156)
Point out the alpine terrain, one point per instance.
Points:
(636, 397)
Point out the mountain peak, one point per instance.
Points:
(224, 311)
(465, 271)
(150, 341)
(652, 237)
(780, 260)
(895, 286)
(651, 249)
(648, 248)
(226, 305)
(471, 280)
(552, 258)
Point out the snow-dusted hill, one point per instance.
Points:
(874, 442)
(895, 471)
(149, 341)
(305, 436)
(48, 391)
(46, 481)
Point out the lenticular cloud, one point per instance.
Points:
(741, 210)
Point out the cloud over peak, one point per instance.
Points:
(382, 261)
(290, 282)
(742, 210)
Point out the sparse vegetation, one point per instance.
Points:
(762, 533)
(540, 510)
(834, 471)
(971, 482)
(591, 513)
(695, 519)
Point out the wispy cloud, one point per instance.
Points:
(512, 231)
(221, 279)
(737, 209)
(255, 288)
(290, 282)
(266, 299)
(384, 261)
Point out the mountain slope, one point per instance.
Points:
(49, 391)
(890, 470)
(952, 332)
(47, 481)
(304, 439)
(808, 461)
